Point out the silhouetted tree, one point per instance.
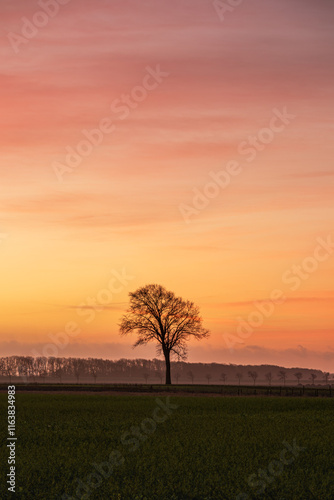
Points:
(253, 375)
(326, 377)
(22, 368)
(25, 367)
(208, 377)
(41, 367)
(77, 364)
(298, 376)
(10, 368)
(282, 376)
(223, 377)
(313, 377)
(239, 376)
(96, 367)
(51, 366)
(157, 314)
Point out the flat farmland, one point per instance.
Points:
(161, 447)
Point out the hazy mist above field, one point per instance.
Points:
(168, 142)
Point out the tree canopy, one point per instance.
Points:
(156, 314)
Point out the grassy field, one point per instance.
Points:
(147, 447)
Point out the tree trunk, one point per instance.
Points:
(167, 359)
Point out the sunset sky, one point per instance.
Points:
(184, 93)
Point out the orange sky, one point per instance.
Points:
(212, 174)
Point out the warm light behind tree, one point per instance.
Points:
(156, 314)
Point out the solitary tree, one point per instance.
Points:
(77, 366)
(157, 314)
(239, 376)
(326, 377)
(282, 376)
(253, 375)
(208, 377)
(223, 377)
(313, 377)
(298, 376)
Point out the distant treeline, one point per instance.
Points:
(44, 369)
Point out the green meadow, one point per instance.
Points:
(137, 447)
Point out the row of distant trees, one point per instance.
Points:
(78, 368)
(281, 376)
(153, 371)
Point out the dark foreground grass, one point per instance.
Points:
(207, 448)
